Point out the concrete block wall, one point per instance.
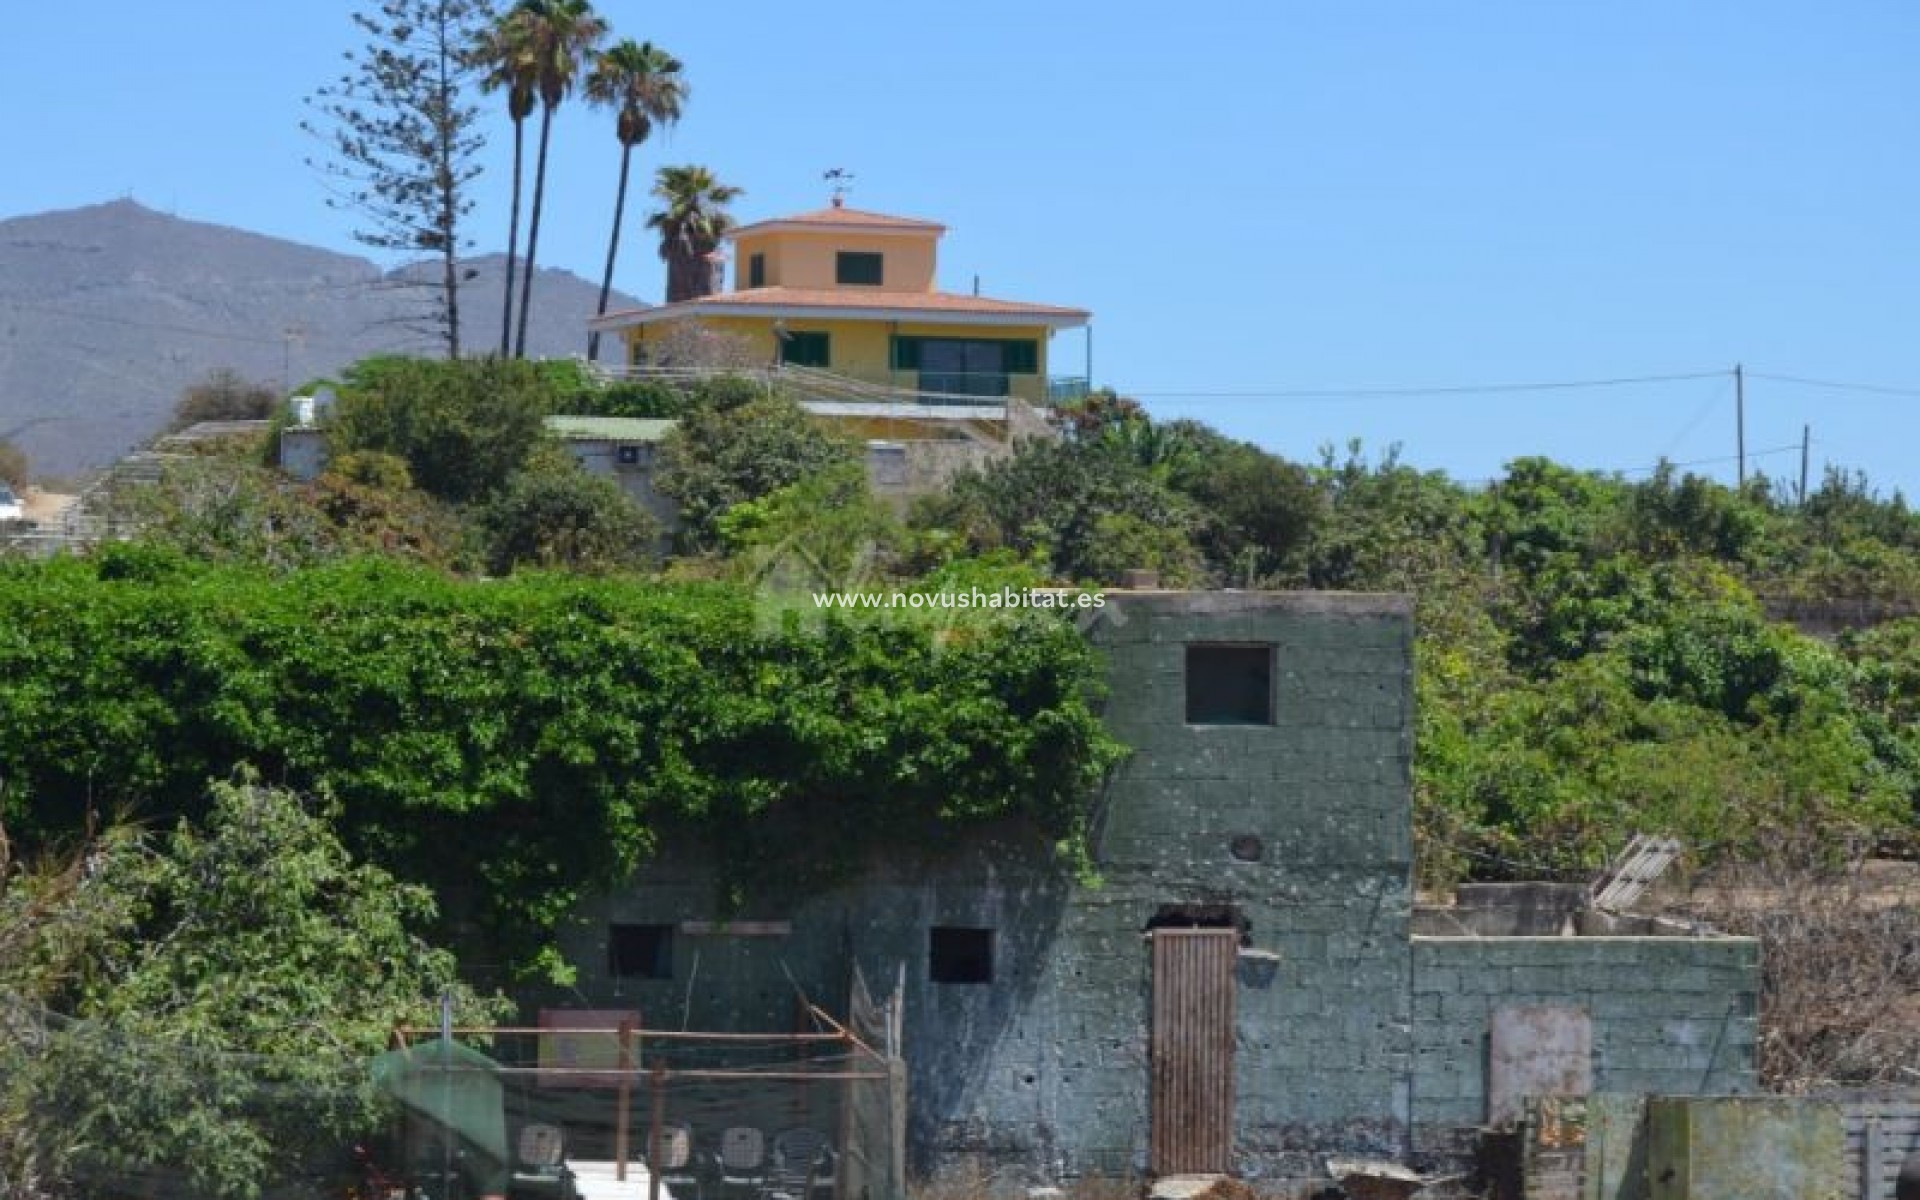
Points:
(1670, 1016)
(1044, 1071)
(1323, 1038)
(601, 456)
(1352, 1035)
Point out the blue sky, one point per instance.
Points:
(1254, 198)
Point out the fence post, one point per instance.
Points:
(654, 1155)
(849, 1096)
(623, 1107)
(1870, 1153)
(897, 1128)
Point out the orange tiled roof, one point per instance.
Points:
(845, 218)
(844, 300)
(851, 298)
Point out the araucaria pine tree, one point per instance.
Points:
(404, 140)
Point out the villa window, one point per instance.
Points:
(1229, 685)
(806, 349)
(858, 267)
(640, 951)
(757, 270)
(966, 366)
(956, 955)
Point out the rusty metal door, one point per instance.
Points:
(1192, 1098)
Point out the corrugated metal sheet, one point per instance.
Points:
(609, 429)
(1536, 1050)
(1193, 1036)
(1882, 1129)
(1634, 871)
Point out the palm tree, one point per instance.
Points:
(506, 60)
(560, 34)
(644, 83)
(691, 226)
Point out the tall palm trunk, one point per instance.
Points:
(533, 231)
(613, 248)
(513, 238)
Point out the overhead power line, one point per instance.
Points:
(1648, 470)
(1705, 462)
(1878, 389)
(1460, 389)
(1546, 385)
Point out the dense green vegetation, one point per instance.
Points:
(1598, 656)
(513, 742)
(191, 1013)
(501, 685)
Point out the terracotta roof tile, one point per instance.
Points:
(788, 297)
(843, 218)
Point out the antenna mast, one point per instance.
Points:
(841, 181)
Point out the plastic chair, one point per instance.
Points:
(803, 1163)
(541, 1169)
(679, 1165)
(541, 1145)
(743, 1160)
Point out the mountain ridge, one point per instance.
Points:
(108, 311)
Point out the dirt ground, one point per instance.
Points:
(45, 507)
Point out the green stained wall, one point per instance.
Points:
(1349, 1032)
(1671, 1016)
(1746, 1148)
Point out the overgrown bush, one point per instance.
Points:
(719, 457)
(196, 1011)
(462, 425)
(517, 742)
(554, 514)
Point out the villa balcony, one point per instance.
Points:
(960, 389)
(969, 387)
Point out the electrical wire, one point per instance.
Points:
(1703, 462)
(1464, 389)
(1878, 389)
(1693, 422)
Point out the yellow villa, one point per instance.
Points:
(854, 293)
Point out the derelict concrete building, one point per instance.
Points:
(1248, 987)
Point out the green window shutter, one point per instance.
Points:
(757, 271)
(857, 267)
(806, 350)
(1022, 357)
(906, 354)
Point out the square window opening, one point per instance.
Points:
(640, 951)
(1229, 685)
(887, 463)
(958, 955)
(802, 349)
(859, 267)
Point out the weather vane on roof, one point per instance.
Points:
(841, 180)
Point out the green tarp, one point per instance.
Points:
(456, 1089)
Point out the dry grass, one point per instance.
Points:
(969, 1179)
(1840, 963)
